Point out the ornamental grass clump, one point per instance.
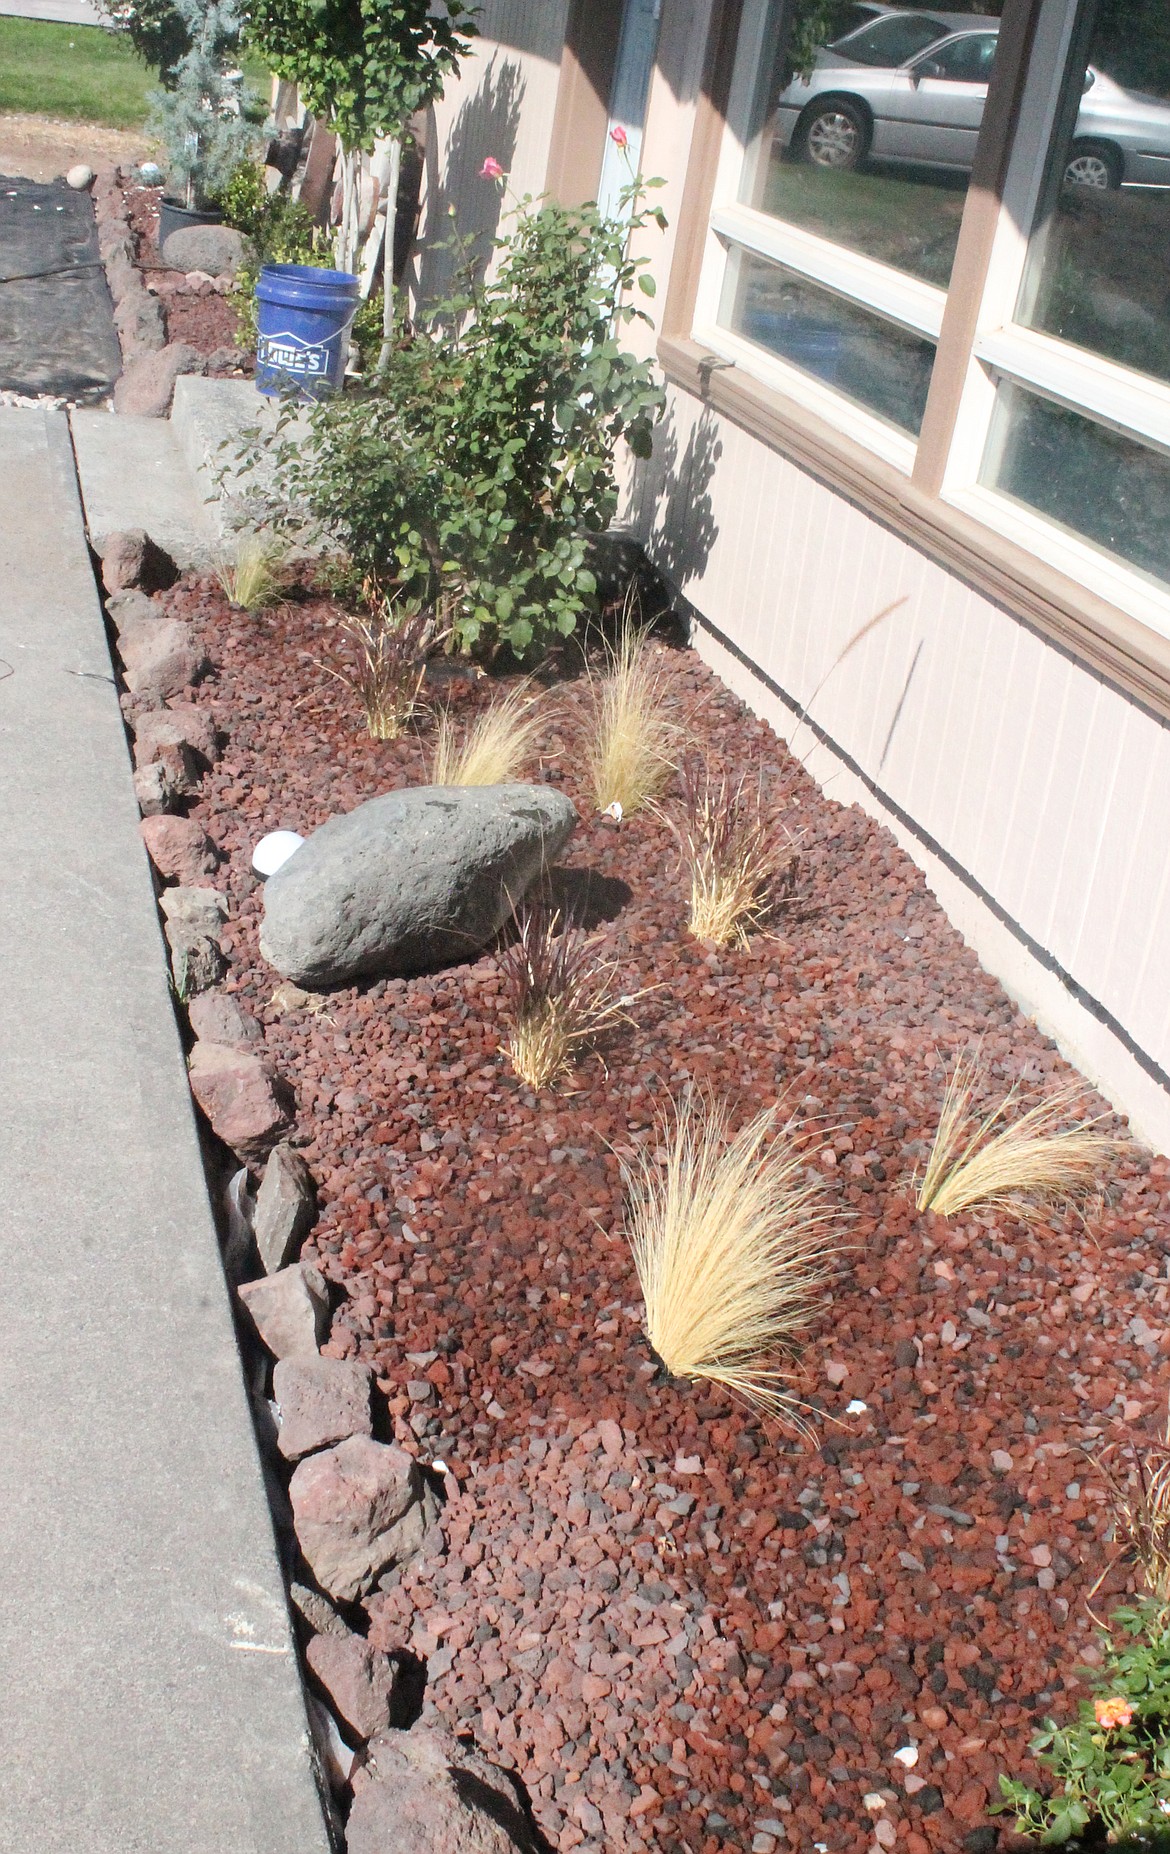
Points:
(740, 866)
(1027, 1165)
(560, 994)
(631, 748)
(496, 746)
(254, 575)
(731, 1242)
(1140, 1498)
(388, 665)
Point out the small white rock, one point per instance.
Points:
(79, 177)
(614, 811)
(907, 1755)
(856, 1408)
(874, 1801)
(274, 850)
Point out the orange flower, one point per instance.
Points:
(1112, 1713)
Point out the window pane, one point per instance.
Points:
(870, 120)
(1098, 263)
(883, 367)
(1086, 477)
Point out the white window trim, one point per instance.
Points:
(1126, 401)
(1123, 399)
(906, 300)
(914, 305)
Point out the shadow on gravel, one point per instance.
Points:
(586, 897)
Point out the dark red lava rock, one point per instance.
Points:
(422, 1792)
(180, 849)
(681, 1623)
(247, 1103)
(349, 1504)
(358, 1681)
(321, 1401)
(131, 561)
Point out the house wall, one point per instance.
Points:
(502, 105)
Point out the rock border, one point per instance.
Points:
(351, 1508)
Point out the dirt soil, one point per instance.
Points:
(686, 1628)
(41, 148)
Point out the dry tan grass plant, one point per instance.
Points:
(740, 865)
(497, 745)
(253, 575)
(631, 748)
(561, 995)
(1028, 1164)
(731, 1242)
(1140, 1498)
(388, 667)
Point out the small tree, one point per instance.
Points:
(156, 30)
(471, 473)
(206, 120)
(363, 68)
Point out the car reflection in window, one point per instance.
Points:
(908, 88)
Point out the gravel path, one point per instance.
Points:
(685, 1629)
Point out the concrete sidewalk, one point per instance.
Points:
(152, 1702)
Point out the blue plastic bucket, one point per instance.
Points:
(303, 318)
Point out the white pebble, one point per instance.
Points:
(907, 1755)
(79, 177)
(856, 1408)
(273, 850)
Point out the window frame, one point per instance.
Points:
(973, 352)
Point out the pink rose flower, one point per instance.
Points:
(491, 169)
(619, 136)
(1113, 1712)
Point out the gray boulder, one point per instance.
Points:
(423, 1792)
(218, 250)
(409, 881)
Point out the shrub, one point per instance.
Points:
(1113, 1765)
(559, 992)
(730, 1242)
(474, 466)
(495, 747)
(560, 995)
(387, 668)
(1028, 1164)
(739, 867)
(631, 746)
(206, 120)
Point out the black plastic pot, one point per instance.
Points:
(175, 218)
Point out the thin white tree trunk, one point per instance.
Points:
(388, 255)
(345, 241)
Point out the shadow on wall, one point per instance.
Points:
(671, 501)
(486, 124)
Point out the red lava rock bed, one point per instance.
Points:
(686, 1629)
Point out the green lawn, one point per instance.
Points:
(78, 73)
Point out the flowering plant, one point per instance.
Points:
(1113, 1764)
(471, 472)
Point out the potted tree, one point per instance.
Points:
(207, 121)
